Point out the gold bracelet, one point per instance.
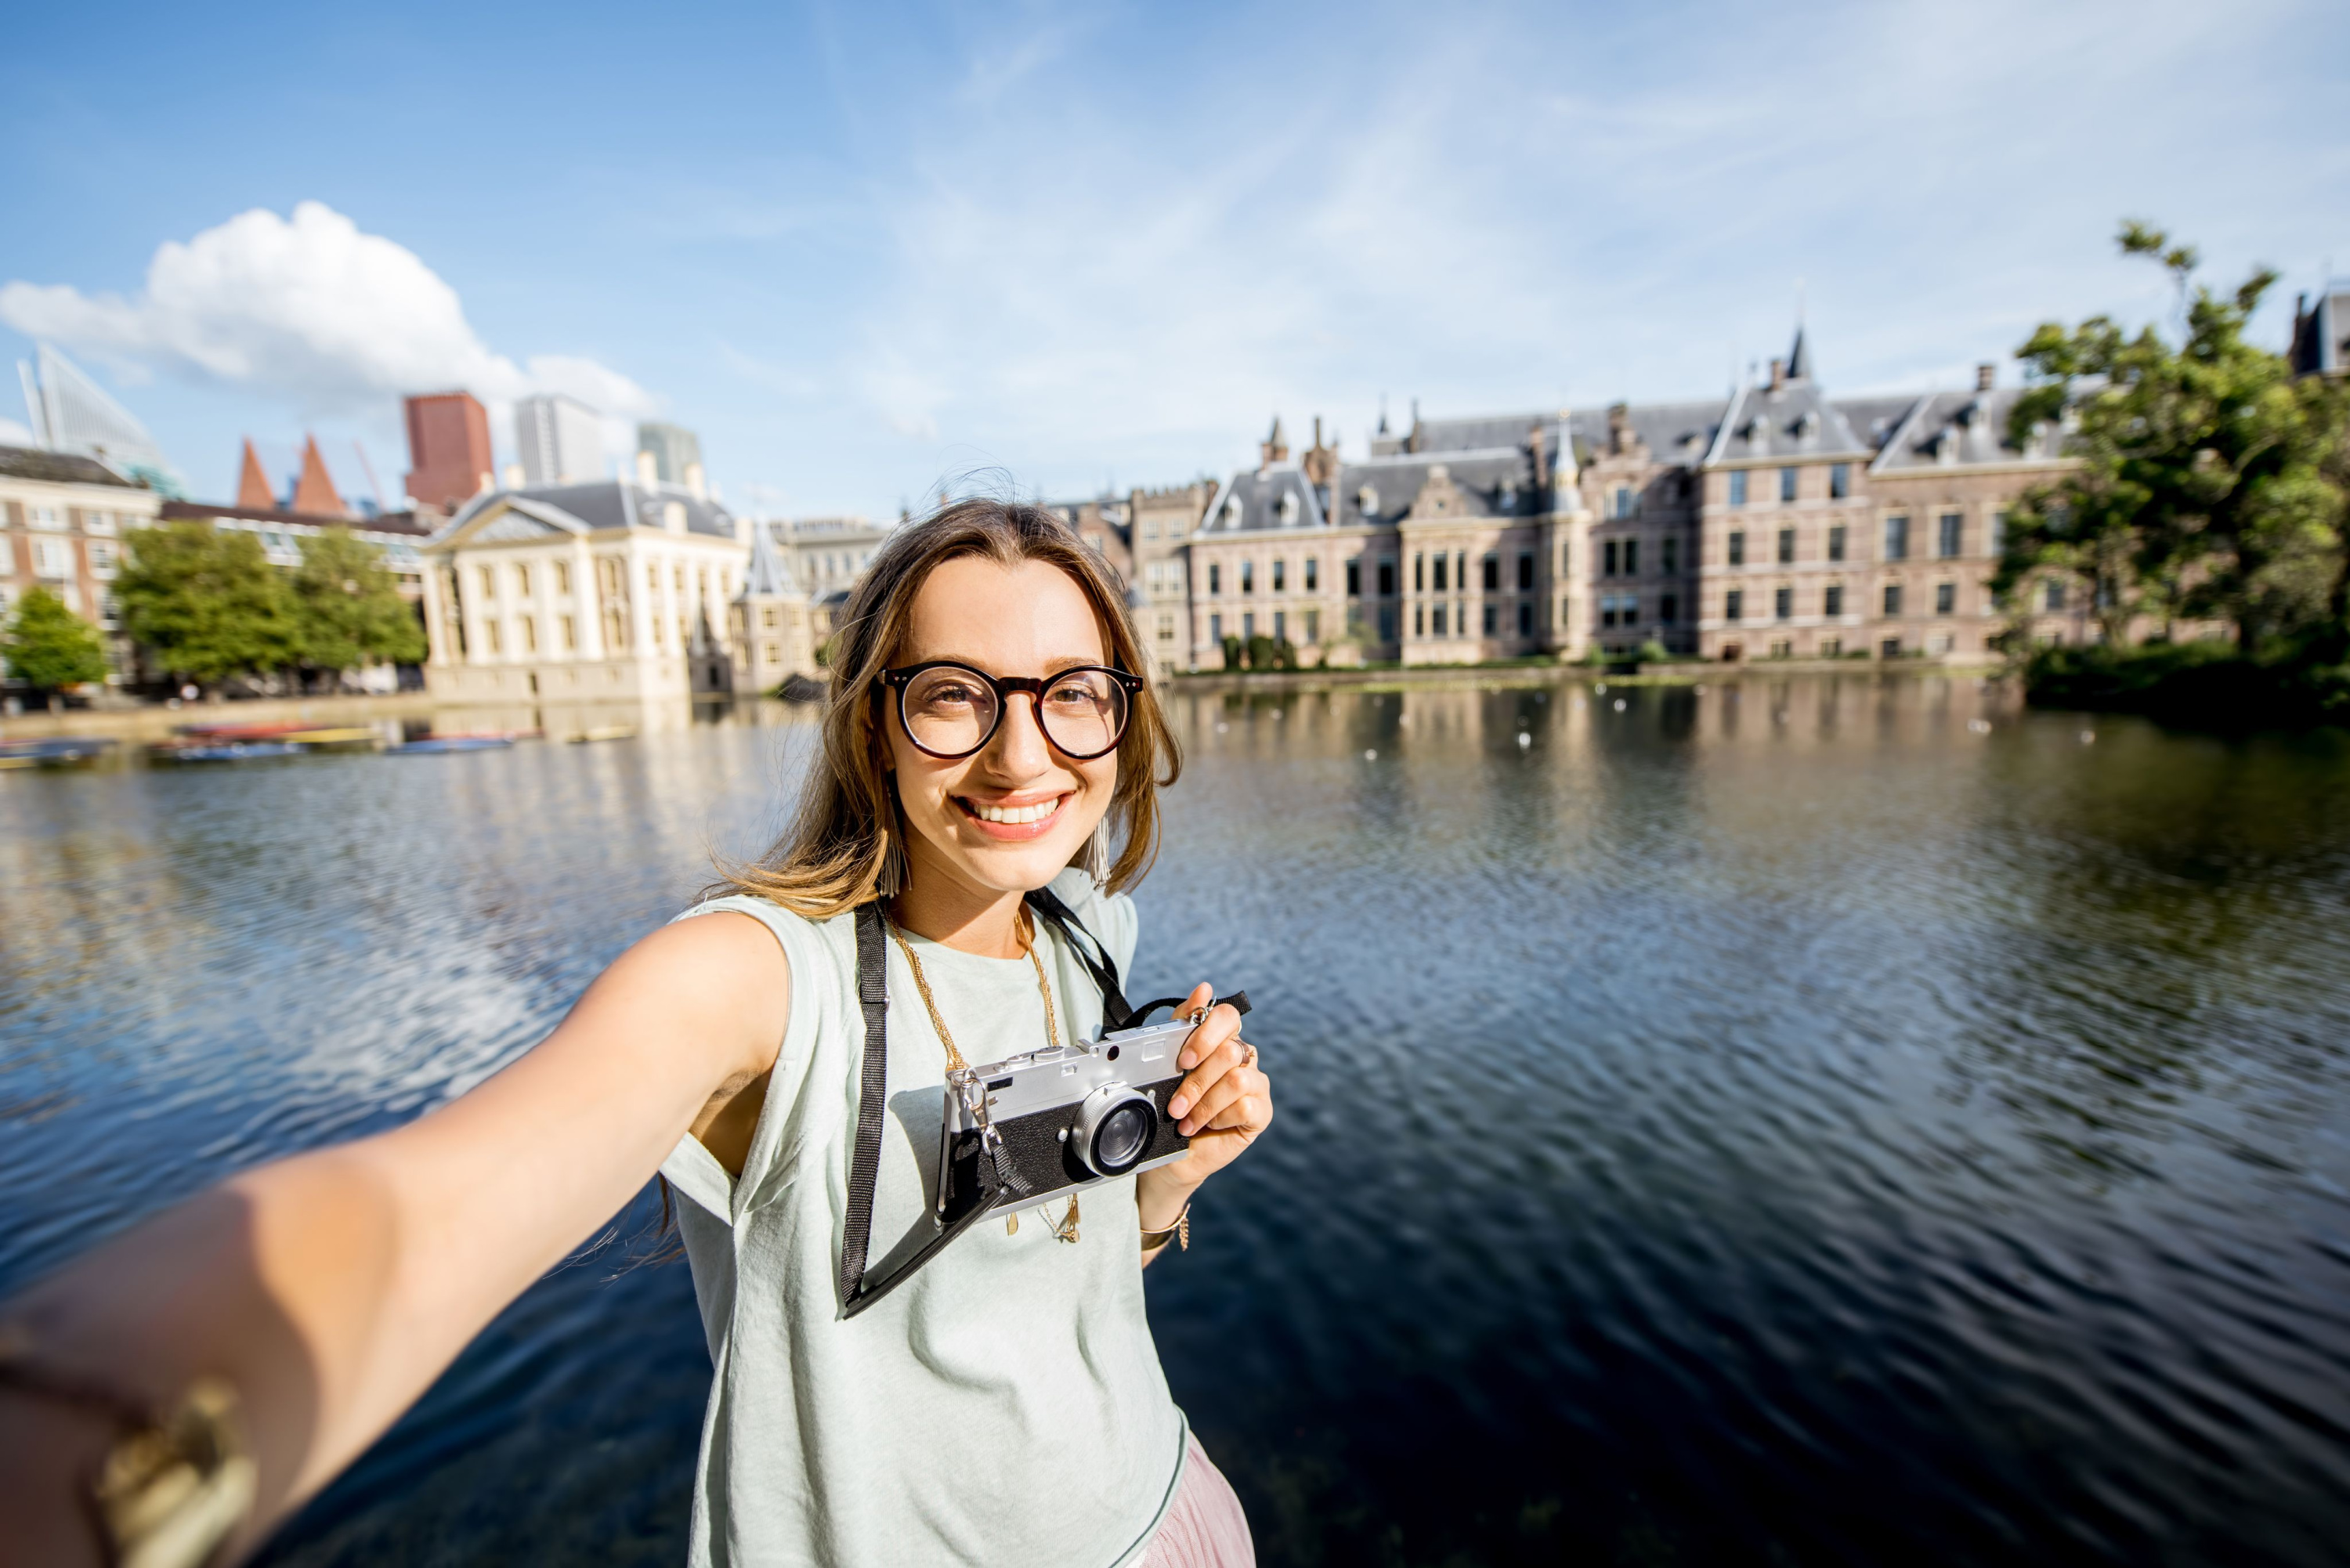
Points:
(1181, 1231)
(174, 1485)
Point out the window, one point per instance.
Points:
(1997, 545)
(1419, 575)
(494, 639)
(1280, 575)
(1786, 484)
(1836, 543)
(1353, 577)
(1420, 621)
(1672, 554)
(562, 577)
(612, 630)
(1840, 480)
(1313, 573)
(521, 580)
(1313, 620)
(45, 518)
(1733, 605)
(1566, 614)
(1738, 487)
(2052, 595)
(652, 577)
(1631, 557)
(1946, 598)
(1896, 537)
(1492, 619)
(1952, 531)
(1387, 623)
(101, 559)
(1607, 556)
(1627, 500)
(1248, 626)
(767, 618)
(1440, 565)
(1668, 609)
(1281, 626)
(1248, 576)
(1831, 601)
(1386, 579)
(1831, 648)
(1525, 571)
(1786, 545)
(1892, 598)
(99, 522)
(1492, 574)
(1150, 531)
(1165, 629)
(1738, 548)
(489, 584)
(52, 558)
(1566, 557)
(1437, 620)
(570, 635)
(1890, 647)
(1215, 578)
(1215, 629)
(1782, 603)
(1525, 619)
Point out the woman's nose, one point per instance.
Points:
(1020, 746)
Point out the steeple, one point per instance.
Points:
(253, 493)
(765, 577)
(315, 492)
(1276, 445)
(1799, 359)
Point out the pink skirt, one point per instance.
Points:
(1206, 1527)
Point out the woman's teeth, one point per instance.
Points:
(1014, 816)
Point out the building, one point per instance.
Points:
(66, 515)
(1102, 522)
(775, 621)
(559, 441)
(71, 414)
(676, 452)
(607, 589)
(449, 457)
(2321, 333)
(1160, 527)
(827, 555)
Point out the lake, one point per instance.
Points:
(1820, 1119)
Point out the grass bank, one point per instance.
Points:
(2195, 685)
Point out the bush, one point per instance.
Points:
(50, 646)
(1652, 652)
(1262, 652)
(1231, 651)
(2198, 685)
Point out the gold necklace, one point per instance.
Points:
(1066, 1230)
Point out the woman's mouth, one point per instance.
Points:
(1012, 821)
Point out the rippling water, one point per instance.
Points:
(1786, 1122)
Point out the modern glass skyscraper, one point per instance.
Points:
(673, 450)
(559, 440)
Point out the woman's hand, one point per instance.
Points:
(1224, 1101)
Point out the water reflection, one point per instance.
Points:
(1827, 1119)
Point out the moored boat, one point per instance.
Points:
(56, 751)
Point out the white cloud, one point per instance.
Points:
(310, 309)
(14, 435)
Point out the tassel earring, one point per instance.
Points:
(1098, 856)
(892, 881)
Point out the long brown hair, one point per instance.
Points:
(846, 842)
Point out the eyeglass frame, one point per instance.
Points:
(1005, 688)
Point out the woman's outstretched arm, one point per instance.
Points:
(330, 1290)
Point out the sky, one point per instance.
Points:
(866, 250)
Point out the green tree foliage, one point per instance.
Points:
(50, 646)
(2208, 484)
(348, 612)
(205, 603)
(1233, 652)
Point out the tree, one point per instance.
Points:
(50, 646)
(348, 608)
(2201, 489)
(205, 603)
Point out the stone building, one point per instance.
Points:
(1161, 525)
(608, 590)
(64, 517)
(775, 620)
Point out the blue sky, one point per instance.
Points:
(860, 249)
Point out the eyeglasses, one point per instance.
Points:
(951, 711)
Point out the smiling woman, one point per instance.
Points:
(988, 738)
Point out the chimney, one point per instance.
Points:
(1619, 428)
(1778, 374)
(693, 483)
(1986, 377)
(1534, 439)
(514, 476)
(648, 470)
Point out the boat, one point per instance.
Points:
(339, 736)
(58, 752)
(221, 751)
(605, 733)
(437, 745)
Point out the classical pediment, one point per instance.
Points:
(1440, 497)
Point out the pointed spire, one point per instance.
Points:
(315, 492)
(765, 576)
(253, 493)
(1799, 359)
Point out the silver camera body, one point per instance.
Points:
(1061, 1118)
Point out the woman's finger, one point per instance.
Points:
(1240, 1099)
(1220, 1024)
(1220, 1060)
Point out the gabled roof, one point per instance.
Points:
(59, 468)
(1793, 420)
(1946, 430)
(1494, 483)
(1485, 432)
(1673, 433)
(599, 506)
(1254, 501)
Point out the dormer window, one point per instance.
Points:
(1288, 507)
(1808, 427)
(1232, 511)
(1367, 500)
(1505, 495)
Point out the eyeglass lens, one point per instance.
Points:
(952, 711)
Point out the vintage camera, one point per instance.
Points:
(1061, 1118)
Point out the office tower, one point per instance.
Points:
(71, 413)
(675, 449)
(560, 440)
(449, 457)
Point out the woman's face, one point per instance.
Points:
(1028, 619)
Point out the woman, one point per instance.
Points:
(986, 735)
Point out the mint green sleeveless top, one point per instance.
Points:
(1004, 1406)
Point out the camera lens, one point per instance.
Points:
(1113, 1130)
(1123, 1133)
